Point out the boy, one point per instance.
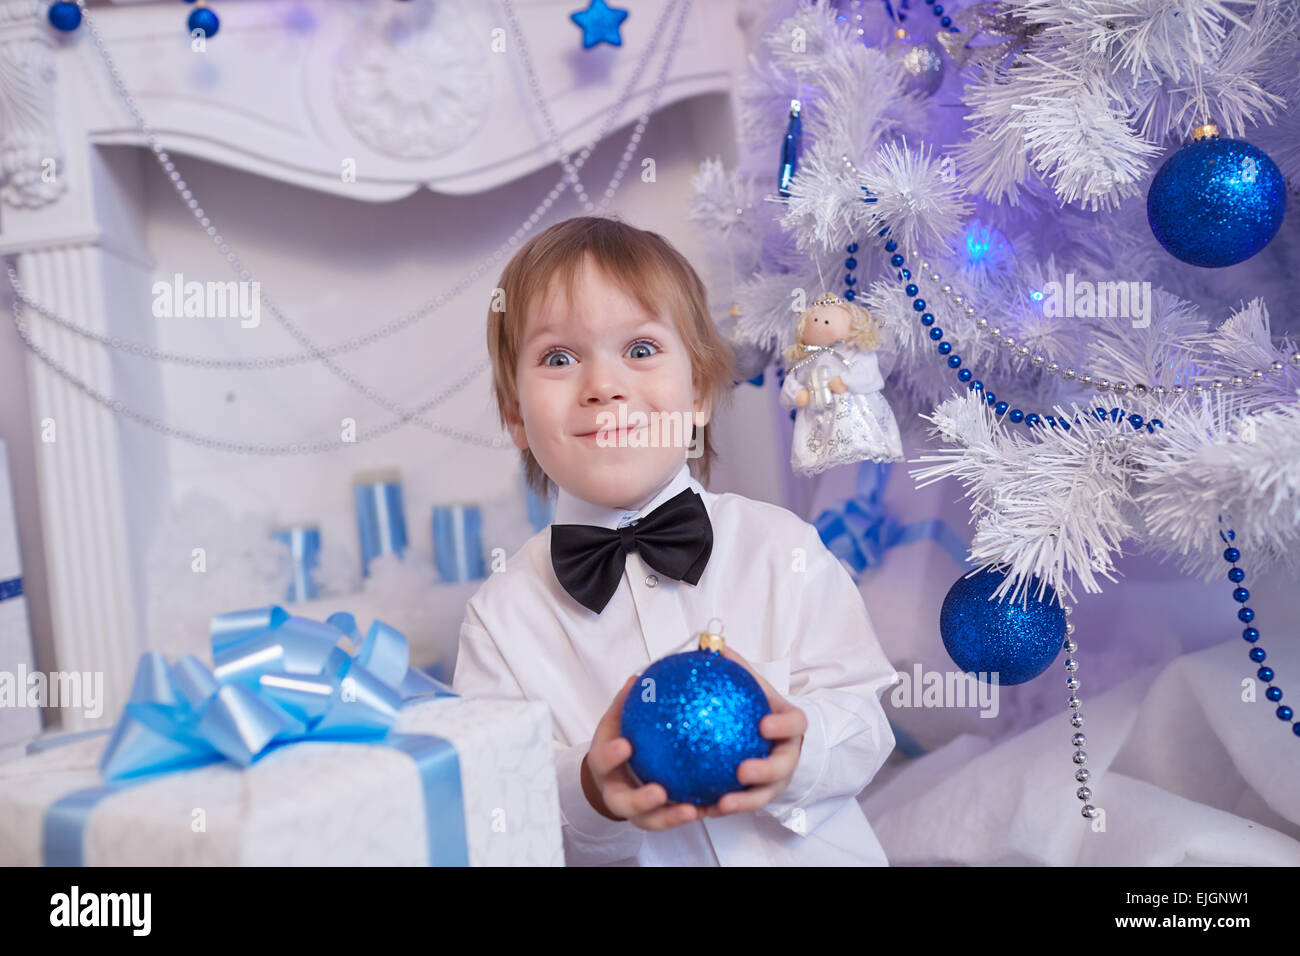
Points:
(606, 332)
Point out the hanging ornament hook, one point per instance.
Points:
(711, 637)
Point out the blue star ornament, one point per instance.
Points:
(600, 23)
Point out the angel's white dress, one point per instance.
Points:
(857, 425)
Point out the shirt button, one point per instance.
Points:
(652, 581)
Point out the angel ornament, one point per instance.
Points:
(834, 381)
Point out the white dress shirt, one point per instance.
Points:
(787, 606)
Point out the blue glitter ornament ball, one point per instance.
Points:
(1216, 202)
(1014, 641)
(205, 20)
(694, 725)
(64, 15)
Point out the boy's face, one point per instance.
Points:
(583, 361)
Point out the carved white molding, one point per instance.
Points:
(286, 98)
(28, 131)
(416, 86)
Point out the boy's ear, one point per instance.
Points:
(515, 425)
(703, 407)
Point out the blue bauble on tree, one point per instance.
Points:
(1014, 641)
(1216, 202)
(692, 718)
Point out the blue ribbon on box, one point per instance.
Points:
(861, 530)
(304, 544)
(277, 680)
(381, 522)
(458, 543)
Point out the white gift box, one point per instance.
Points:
(17, 721)
(310, 803)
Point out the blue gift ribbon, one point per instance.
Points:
(458, 543)
(277, 680)
(304, 543)
(860, 530)
(11, 588)
(381, 522)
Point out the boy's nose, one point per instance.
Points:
(602, 384)
(601, 394)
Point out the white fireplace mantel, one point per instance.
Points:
(407, 95)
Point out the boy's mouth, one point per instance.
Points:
(611, 434)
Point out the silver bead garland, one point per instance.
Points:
(1078, 740)
(1101, 384)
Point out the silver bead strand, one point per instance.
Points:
(1054, 368)
(1078, 740)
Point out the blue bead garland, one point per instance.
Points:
(1273, 693)
(1015, 415)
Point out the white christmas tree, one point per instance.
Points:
(1027, 169)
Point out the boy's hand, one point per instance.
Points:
(766, 777)
(610, 787)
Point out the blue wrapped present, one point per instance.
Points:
(304, 744)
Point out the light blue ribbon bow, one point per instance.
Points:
(860, 530)
(278, 679)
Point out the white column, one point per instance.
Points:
(65, 215)
(88, 558)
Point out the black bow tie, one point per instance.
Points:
(675, 539)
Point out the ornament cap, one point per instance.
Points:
(1205, 130)
(711, 638)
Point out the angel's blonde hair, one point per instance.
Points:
(864, 331)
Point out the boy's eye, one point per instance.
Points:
(555, 353)
(650, 347)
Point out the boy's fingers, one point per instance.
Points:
(783, 725)
(605, 756)
(629, 801)
(758, 770)
(742, 801)
(665, 818)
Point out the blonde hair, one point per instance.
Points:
(864, 331)
(647, 268)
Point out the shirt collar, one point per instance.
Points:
(570, 509)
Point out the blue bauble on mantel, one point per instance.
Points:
(1009, 640)
(64, 16)
(205, 20)
(692, 718)
(1216, 202)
